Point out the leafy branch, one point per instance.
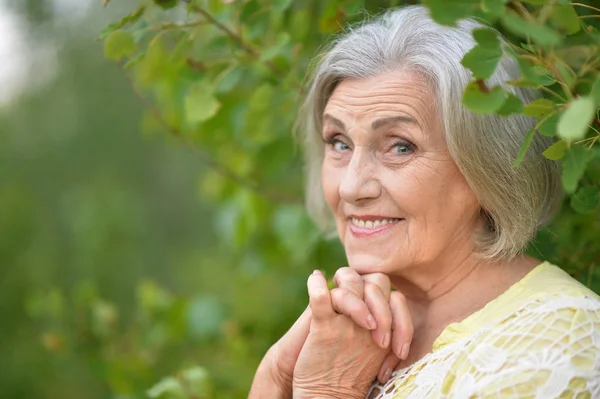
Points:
(205, 157)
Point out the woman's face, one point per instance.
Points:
(398, 198)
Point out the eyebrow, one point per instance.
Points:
(390, 120)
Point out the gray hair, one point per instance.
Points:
(515, 202)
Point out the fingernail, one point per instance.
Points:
(385, 341)
(386, 376)
(404, 352)
(371, 322)
(318, 272)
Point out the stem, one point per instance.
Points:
(247, 47)
(552, 92)
(522, 10)
(177, 26)
(586, 6)
(206, 158)
(588, 16)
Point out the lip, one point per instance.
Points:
(364, 232)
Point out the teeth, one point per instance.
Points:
(371, 224)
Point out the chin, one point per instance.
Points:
(365, 263)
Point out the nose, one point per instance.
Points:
(360, 182)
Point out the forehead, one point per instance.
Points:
(398, 92)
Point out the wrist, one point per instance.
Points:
(325, 393)
(269, 381)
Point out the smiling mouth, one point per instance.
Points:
(361, 227)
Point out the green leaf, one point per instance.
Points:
(565, 17)
(524, 147)
(229, 80)
(539, 107)
(536, 2)
(200, 104)
(574, 122)
(585, 200)
(447, 12)
(486, 37)
(484, 57)
(573, 166)
(541, 34)
(548, 127)
(167, 388)
(197, 382)
(204, 316)
(483, 103)
(482, 61)
(535, 74)
(596, 91)
(569, 76)
(295, 231)
(166, 4)
(127, 20)
(512, 105)
(119, 44)
(282, 40)
(300, 25)
(280, 6)
(556, 151)
(494, 7)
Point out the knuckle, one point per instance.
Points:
(320, 297)
(348, 274)
(372, 289)
(398, 296)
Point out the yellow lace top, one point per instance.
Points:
(539, 339)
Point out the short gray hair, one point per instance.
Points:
(515, 202)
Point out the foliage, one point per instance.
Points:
(225, 77)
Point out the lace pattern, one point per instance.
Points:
(548, 348)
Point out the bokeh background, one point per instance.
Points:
(125, 261)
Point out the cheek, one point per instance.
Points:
(330, 181)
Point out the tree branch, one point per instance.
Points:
(206, 158)
(247, 47)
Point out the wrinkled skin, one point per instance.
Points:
(386, 159)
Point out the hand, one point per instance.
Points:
(339, 358)
(273, 378)
(369, 297)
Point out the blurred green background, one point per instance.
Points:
(121, 260)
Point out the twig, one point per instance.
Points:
(586, 6)
(237, 38)
(170, 26)
(205, 156)
(521, 8)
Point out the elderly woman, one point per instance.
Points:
(438, 300)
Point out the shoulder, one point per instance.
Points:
(549, 347)
(549, 280)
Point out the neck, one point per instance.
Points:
(430, 281)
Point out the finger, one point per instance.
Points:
(380, 309)
(402, 326)
(293, 340)
(319, 297)
(388, 366)
(347, 303)
(380, 280)
(288, 348)
(349, 279)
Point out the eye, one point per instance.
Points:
(337, 144)
(403, 148)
